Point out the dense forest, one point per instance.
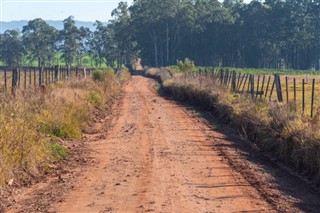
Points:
(282, 34)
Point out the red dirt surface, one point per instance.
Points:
(154, 155)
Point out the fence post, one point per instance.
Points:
(77, 72)
(287, 90)
(294, 92)
(68, 74)
(244, 84)
(258, 86)
(25, 79)
(252, 85)
(14, 81)
(312, 97)
(56, 74)
(40, 76)
(35, 77)
(234, 81)
(30, 78)
(262, 86)
(278, 87)
(19, 77)
(5, 80)
(267, 89)
(303, 106)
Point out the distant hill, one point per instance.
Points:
(57, 24)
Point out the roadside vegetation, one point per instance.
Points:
(32, 124)
(276, 127)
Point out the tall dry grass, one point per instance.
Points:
(276, 127)
(32, 123)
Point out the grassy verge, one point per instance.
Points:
(33, 123)
(275, 127)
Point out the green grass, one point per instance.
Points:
(57, 152)
(176, 69)
(272, 71)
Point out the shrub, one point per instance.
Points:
(186, 66)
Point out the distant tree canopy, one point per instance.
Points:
(282, 34)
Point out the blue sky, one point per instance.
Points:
(84, 10)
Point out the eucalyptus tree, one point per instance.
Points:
(122, 32)
(70, 37)
(11, 48)
(39, 40)
(98, 43)
(85, 36)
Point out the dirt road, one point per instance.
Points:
(160, 157)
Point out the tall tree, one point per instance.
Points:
(39, 39)
(11, 48)
(70, 38)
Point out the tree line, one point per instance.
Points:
(41, 42)
(281, 34)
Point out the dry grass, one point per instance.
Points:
(31, 123)
(276, 127)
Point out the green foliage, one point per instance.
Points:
(186, 66)
(57, 152)
(39, 39)
(11, 48)
(272, 71)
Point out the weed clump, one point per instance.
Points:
(186, 66)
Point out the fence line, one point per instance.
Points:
(271, 87)
(34, 78)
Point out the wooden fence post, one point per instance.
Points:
(272, 88)
(268, 83)
(234, 81)
(258, 86)
(25, 79)
(262, 86)
(252, 85)
(303, 105)
(14, 81)
(5, 80)
(278, 87)
(56, 74)
(30, 78)
(245, 81)
(19, 78)
(35, 78)
(312, 97)
(295, 94)
(77, 72)
(287, 90)
(40, 76)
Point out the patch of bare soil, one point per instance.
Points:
(159, 156)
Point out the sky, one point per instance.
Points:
(83, 10)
